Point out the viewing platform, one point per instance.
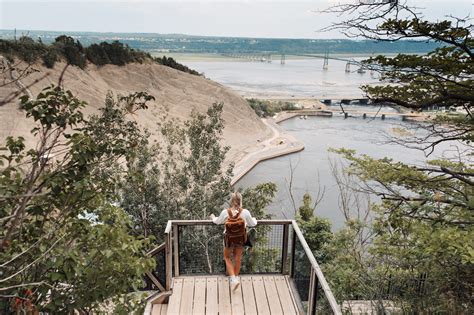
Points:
(279, 274)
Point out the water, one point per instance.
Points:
(311, 167)
(297, 78)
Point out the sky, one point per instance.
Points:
(244, 18)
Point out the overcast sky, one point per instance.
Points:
(246, 18)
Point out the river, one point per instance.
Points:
(300, 78)
(311, 167)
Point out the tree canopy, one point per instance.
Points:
(417, 248)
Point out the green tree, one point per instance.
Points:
(72, 50)
(97, 55)
(63, 242)
(316, 230)
(421, 249)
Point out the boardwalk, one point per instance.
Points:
(257, 294)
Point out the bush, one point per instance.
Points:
(97, 55)
(50, 58)
(170, 62)
(74, 53)
(265, 108)
(71, 50)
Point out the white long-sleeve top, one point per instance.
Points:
(245, 215)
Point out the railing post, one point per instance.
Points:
(176, 249)
(284, 250)
(168, 255)
(313, 292)
(293, 251)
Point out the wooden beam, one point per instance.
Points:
(317, 270)
(157, 249)
(169, 261)
(284, 249)
(176, 250)
(155, 281)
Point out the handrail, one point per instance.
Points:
(317, 276)
(209, 222)
(315, 266)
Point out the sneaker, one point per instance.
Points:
(234, 283)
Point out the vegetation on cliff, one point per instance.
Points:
(70, 50)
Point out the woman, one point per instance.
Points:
(234, 248)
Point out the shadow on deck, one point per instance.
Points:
(279, 274)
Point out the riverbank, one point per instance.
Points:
(280, 143)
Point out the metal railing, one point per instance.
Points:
(195, 247)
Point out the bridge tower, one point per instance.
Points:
(326, 61)
(282, 60)
(348, 67)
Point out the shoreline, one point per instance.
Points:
(279, 144)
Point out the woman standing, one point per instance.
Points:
(236, 220)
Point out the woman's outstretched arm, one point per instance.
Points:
(221, 218)
(251, 221)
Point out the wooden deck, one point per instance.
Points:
(257, 294)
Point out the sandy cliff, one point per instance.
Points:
(178, 91)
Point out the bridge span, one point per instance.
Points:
(268, 57)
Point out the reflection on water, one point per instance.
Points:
(299, 78)
(313, 163)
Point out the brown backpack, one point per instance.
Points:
(235, 233)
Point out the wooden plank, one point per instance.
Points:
(237, 301)
(199, 303)
(187, 296)
(212, 307)
(285, 298)
(248, 295)
(224, 296)
(175, 298)
(260, 295)
(272, 295)
(164, 309)
(294, 295)
(156, 309)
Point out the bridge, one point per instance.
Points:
(267, 57)
(282, 116)
(279, 274)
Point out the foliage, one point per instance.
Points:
(72, 51)
(65, 47)
(183, 179)
(266, 108)
(63, 241)
(418, 251)
(170, 62)
(316, 230)
(262, 257)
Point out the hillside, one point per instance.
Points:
(178, 91)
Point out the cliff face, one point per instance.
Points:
(178, 91)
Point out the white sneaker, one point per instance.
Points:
(234, 283)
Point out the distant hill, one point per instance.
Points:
(225, 45)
